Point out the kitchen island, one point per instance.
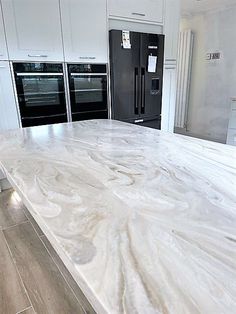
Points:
(144, 220)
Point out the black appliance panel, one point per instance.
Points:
(151, 83)
(153, 124)
(136, 93)
(40, 91)
(125, 73)
(38, 67)
(88, 88)
(89, 115)
(27, 122)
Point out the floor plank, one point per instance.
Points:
(11, 210)
(33, 222)
(47, 289)
(79, 294)
(13, 297)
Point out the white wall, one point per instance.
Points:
(212, 83)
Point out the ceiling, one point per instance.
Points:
(192, 7)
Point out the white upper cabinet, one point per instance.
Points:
(171, 29)
(33, 29)
(84, 28)
(3, 46)
(8, 112)
(148, 10)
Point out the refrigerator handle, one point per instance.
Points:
(143, 90)
(136, 90)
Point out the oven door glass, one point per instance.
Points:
(41, 95)
(88, 93)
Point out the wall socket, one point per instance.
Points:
(213, 56)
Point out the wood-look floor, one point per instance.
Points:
(33, 279)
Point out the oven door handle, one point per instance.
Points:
(41, 117)
(39, 74)
(88, 74)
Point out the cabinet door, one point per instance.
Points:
(171, 29)
(168, 99)
(8, 111)
(33, 29)
(3, 46)
(148, 10)
(85, 34)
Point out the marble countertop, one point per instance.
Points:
(144, 220)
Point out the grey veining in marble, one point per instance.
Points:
(146, 218)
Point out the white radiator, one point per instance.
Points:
(183, 77)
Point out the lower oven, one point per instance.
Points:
(88, 91)
(41, 93)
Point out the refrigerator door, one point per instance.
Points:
(125, 74)
(151, 50)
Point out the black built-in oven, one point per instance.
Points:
(88, 91)
(41, 93)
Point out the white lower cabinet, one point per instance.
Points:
(8, 111)
(169, 98)
(85, 32)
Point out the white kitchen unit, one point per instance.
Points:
(171, 32)
(33, 29)
(8, 109)
(171, 29)
(231, 137)
(168, 98)
(151, 11)
(3, 45)
(85, 31)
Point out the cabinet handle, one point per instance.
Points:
(38, 56)
(138, 14)
(136, 90)
(2, 66)
(88, 58)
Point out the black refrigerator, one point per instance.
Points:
(136, 61)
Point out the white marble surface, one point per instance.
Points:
(145, 220)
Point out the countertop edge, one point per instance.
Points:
(83, 285)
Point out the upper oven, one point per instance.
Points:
(88, 91)
(41, 93)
